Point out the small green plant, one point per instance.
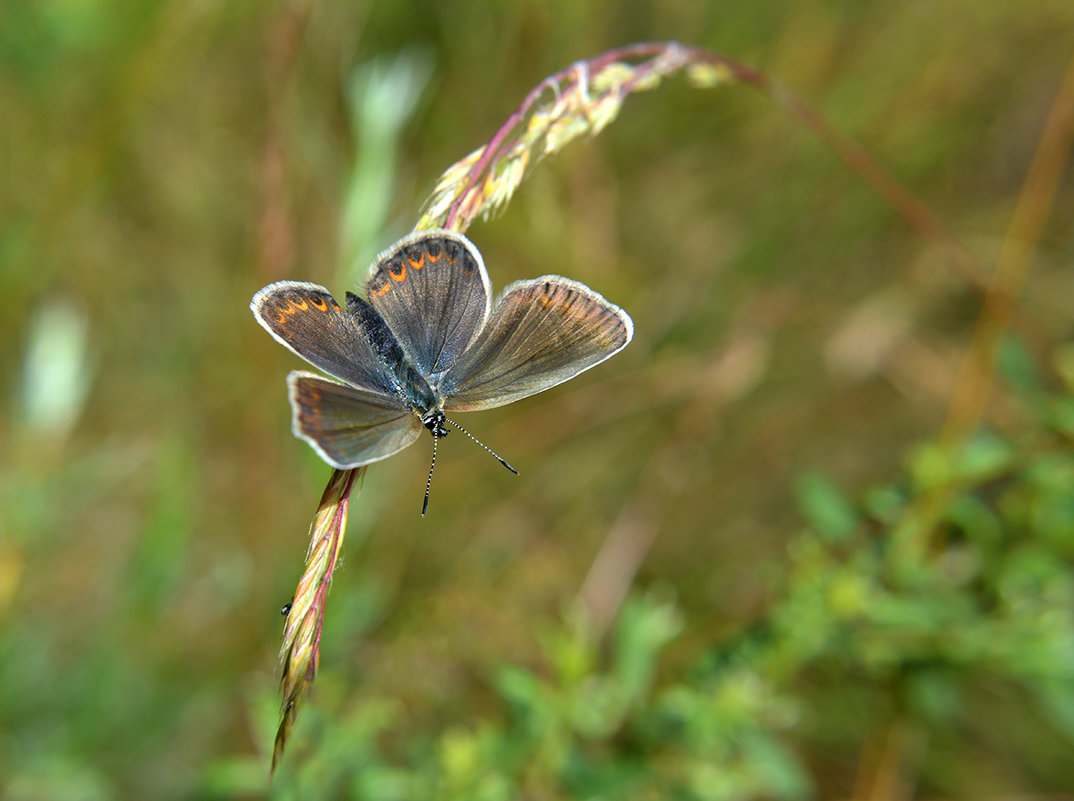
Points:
(855, 640)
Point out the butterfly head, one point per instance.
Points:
(434, 421)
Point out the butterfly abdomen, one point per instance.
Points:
(408, 381)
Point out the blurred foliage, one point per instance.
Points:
(829, 602)
(854, 642)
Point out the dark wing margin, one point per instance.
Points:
(432, 290)
(347, 426)
(543, 332)
(307, 320)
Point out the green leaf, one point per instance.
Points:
(826, 508)
(1017, 366)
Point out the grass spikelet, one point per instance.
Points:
(305, 619)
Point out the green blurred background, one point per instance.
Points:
(751, 454)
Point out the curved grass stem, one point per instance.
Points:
(580, 100)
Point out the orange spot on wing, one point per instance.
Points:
(417, 265)
(548, 298)
(283, 312)
(299, 304)
(320, 303)
(402, 273)
(434, 259)
(383, 290)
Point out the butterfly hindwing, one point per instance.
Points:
(542, 333)
(307, 319)
(432, 290)
(348, 426)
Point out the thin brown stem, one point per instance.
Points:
(974, 384)
(1012, 265)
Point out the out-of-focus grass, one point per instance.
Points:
(163, 161)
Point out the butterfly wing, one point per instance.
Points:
(432, 290)
(307, 320)
(349, 426)
(543, 332)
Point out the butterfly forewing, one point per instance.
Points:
(434, 293)
(307, 319)
(347, 426)
(543, 332)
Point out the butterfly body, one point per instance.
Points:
(427, 340)
(412, 387)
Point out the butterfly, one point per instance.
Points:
(426, 340)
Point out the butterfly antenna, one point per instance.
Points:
(429, 482)
(499, 458)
